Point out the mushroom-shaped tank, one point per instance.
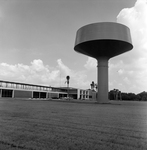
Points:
(106, 39)
(103, 41)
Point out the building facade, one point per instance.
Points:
(83, 94)
(23, 90)
(31, 91)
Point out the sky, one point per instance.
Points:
(37, 40)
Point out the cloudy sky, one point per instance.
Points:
(37, 39)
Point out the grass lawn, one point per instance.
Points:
(51, 125)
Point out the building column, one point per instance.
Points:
(13, 93)
(0, 92)
(32, 94)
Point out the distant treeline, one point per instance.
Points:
(117, 95)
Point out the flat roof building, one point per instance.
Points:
(32, 91)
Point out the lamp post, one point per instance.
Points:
(67, 81)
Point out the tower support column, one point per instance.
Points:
(102, 96)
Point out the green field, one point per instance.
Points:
(51, 125)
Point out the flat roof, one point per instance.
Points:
(27, 84)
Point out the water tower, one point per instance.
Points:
(103, 41)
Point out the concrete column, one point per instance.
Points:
(0, 92)
(13, 93)
(102, 80)
(32, 94)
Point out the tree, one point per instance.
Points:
(130, 96)
(115, 94)
(93, 86)
(143, 96)
(111, 95)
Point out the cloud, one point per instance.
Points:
(91, 63)
(77, 78)
(63, 67)
(133, 68)
(127, 80)
(135, 18)
(38, 73)
(120, 71)
(128, 72)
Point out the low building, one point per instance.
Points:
(77, 93)
(23, 90)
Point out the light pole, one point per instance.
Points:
(67, 81)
